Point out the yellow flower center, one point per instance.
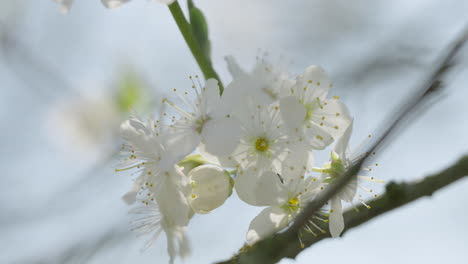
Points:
(261, 144)
(293, 204)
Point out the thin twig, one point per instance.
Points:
(396, 195)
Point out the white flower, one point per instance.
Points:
(162, 186)
(340, 161)
(147, 150)
(286, 200)
(65, 5)
(87, 125)
(204, 121)
(263, 148)
(169, 213)
(113, 3)
(211, 186)
(118, 3)
(307, 112)
(262, 85)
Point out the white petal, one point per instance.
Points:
(113, 3)
(65, 5)
(336, 218)
(177, 242)
(334, 117)
(168, 2)
(293, 112)
(210, 92)
(317, 137)
(298, 161)
(343, 142)
(130, 197)
(260, 188)
(172, 201)
(233, 67)
(349, 191)
(221, 136)
(221, 161)
(317, 82)
(268, 222)
(182, 143)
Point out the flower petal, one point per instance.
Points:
(260, 188)
(221, 136)
(181, 143)
(130, 197)
(341, 145)
(226, 162)
(65, 5)
(336, 217)
(298, 161)
(268, 222)
(293, 112)
(172, 201)
(210, 93)
(317, 82)
(113, 3)
(333, 116)
(233, 67)
(317, 137)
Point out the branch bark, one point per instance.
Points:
(283, 245)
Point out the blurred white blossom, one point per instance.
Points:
(65, 5)
(86, 125)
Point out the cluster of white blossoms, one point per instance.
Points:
(259, 138)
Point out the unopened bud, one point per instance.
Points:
(211, 186)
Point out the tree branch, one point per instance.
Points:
(283, 245)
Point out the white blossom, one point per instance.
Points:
(65, 5)
(286, 200)
(262, 149)
(340, 161)
(170, 213)
(204, 121)
(307, 112)
(162, 186)
(262, 85)
(147, 150)
(118, 3)
(86, 125)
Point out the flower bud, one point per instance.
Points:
(211, 186)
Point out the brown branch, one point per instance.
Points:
(284, 245)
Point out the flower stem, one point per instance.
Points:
(186, 30)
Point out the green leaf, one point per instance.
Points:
(200, 29)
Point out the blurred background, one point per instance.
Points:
(68, 80)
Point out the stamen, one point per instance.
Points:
(371, 179)
(364, 203)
